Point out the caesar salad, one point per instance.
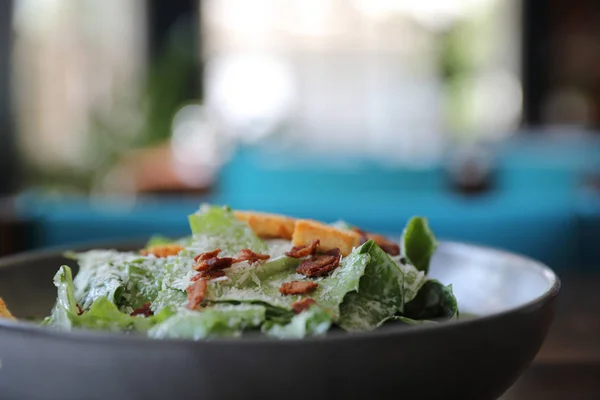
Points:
(242, 272)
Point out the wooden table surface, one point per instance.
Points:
(568, 365)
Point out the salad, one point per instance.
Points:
(242, 273)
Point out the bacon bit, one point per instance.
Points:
(303, 251)
(386, 245)
(389, 247)
(207, 256)
(163, 250)
(79, 310)
(143, 310)
(196, 292)
(302, 305)
(214, 264)
(250, 256)
(208, 275)
(297, 287)
(318, 265)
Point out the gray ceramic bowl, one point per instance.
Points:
(469, 359)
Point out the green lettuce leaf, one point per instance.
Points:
(380, 293)
(433, 302)
(315, 321)
(262, 283)
(169, 298)
(221, 320)
(418, 243)
(65, 305)
(413, 280)
(100, 275)
(217, 228)
(126, 279)
(104, 315)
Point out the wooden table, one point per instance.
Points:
(568, 365)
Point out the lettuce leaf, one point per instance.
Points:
(100, 275)
(312, 322)
(380, 294)
(104, 315)
(433, 302)
(127, 280)
(217, 228)
(169, 297)
(418, 243)
(221, 320)
(65, 305)
(262, 283)
(413, 280)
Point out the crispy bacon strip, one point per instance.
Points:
(214, 263)
(318, 265)
(207, 256)
(143, 310)
(303, 251)
(217, 273)
(386, 245)
(302, 305)
(389, 247)
(163, 250)
(297, 287)
(196, 292)
(250, 256)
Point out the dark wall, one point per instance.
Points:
(8, 159)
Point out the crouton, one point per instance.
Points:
(329, 237)
(4, 313)
(268, 225)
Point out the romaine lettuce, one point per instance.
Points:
(418, 243)
(104, 315)
(434, 301)
(218, 228)
(221, 320)
(65, 305)
(312, 322)
(262, 283)
(380, 293)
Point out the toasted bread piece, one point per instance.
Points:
(268, 225)
(4, 313)
(163, 250)
(330, 238)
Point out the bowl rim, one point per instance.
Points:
(84, 335)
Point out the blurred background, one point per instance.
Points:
(117, 118)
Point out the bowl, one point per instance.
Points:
(473, 358)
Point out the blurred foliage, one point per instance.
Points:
(133, 120)
(464, 49)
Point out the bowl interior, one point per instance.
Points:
(487, 281)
